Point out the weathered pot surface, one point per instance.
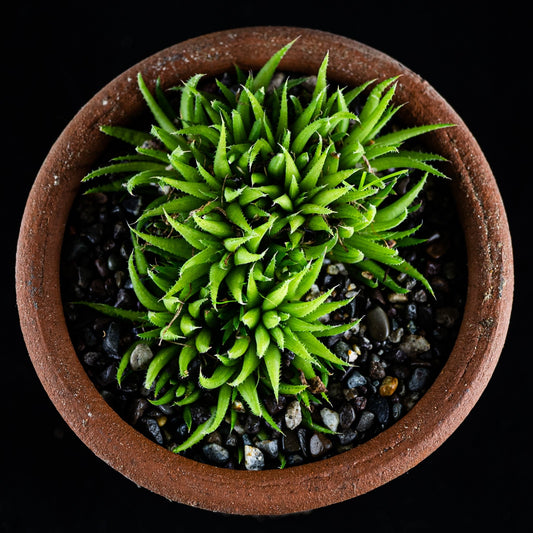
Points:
(391, 453)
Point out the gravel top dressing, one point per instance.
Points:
(397, 349)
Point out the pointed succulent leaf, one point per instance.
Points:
(309, 277)
(196, 238)
(239, 347)
(203, 340)
(276, 296)
(397, 137)
(251, 317)
(250, 362)
(218, 378)
(318, 348)
(301, 309)
(248, 390)
(146, 298)
(401, 161)
(386, 214)
(126, 167)
(235, 281)
(262, 340)
(244, 257)
(175, 246)
(163, 120)
(264, 76)
(129, 135)
(272, 360)
(198, 190)
(160, 360)
(217, 228)
(116, 312)
(187, 354)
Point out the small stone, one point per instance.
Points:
(332, 269)
(119, 230)
(77, 250)
(101, 266)
(112, 339)
(396, 410)
(388, 386)
(396, 335)
(335, 391)
(347, 437)
(378, 324)
(341, 349)
(397, 298)
(275, 406)
(94, 233)
(301, 433)
(213, 438)
(376, 369)
(432, 268)
(293, 415)
(132, 204)
(319, 444)
(314, 292)
(124, 298)
(438, 248)
(294, 459)
(120, 278)
(91, 358)
(420, 296)
(137, 410)
(84, 277)
(359, 403)
(151, 429)
(410, 311)
(114, 262)
(446, 316)
(141, 356)
(269, 446)
(216, 453)
(232, 440)
(355, 379)
(253, 458)
(346, 416)
(380, 407)
(343, 272)
(252, 424)
(330, 418)
(414, 344)
(365, 421)
(238, 406)
(199, 414)
(239, 429)
(418, 379)
(291, 442)
(161, 420)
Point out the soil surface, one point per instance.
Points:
(397, 349)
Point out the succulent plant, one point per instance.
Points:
(249, 187)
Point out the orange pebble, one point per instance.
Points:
(388, 386)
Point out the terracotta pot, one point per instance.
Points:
(300, 488)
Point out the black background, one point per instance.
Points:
(56, 55)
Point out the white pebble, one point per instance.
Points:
(141, 356)
(253, 458)
(330, 418)
(293, 415)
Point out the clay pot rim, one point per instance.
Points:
(388, 455)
